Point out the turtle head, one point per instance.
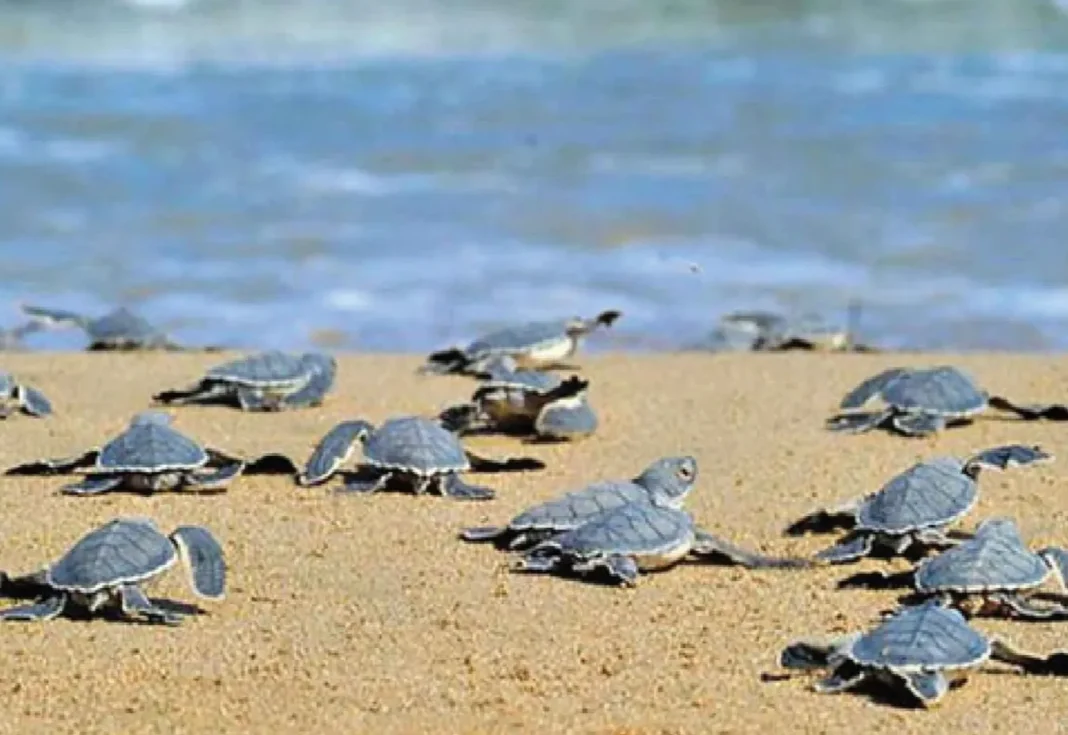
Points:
(576, 327)
(669, 480)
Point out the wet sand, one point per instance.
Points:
(366, 614)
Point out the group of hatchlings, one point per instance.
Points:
(611, 530)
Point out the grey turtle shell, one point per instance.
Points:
(996, 558)
(943, 390)
(576, 507)
(273, 369)
(923, 637)
(927, 495)
(122, 325)
(151, 444)
(519, 339)
(119, 552)
(634, 529)
(529, 381)
(417, 445)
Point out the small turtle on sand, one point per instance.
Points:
(526, 402)
(106, 568)
(411, 451)
(643, 535)
(913, 510)
(15, 396)
(763, 331)
(992, 574)
(921, 648)
(150, 456)
(268, 381)
(667, 478)
(120, 329)
(533, 346)
(923, 401)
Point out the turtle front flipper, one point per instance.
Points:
(32, 401)
(1057, 560)
(1055, 663)
(444, 362)
(927, 686)
(844, 677)
(454, 487)
(1009, 455)
(857, 423)
(509, 464)
(61, 465)
(825, 520)
(333, 450)
(55, 317)
(215, 479)
(366, 480)
(314, 392)
(1031, 411)
(461, 418)
(809, 654)
(206, 391)
(94, 485)
(918, 423)
(620, 568)
(25, 586)
(708, 544)
(43, 609)
(852, 547)
(136, 602)
(203, 557)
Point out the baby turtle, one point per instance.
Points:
(268, 381)
(923, 401)
(764, 331)
(14, 396)
(120, 329)
(525, 402)
(667, 478)
(149, 456)
(912, 510)
(922, 648)
(991, 574)
(410, 451)
(106, 567)
(533, 346)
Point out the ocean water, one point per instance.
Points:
(404, 175)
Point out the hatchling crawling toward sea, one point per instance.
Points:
(268, 381)
(412, 452)
(921, 402)
(16, 396)
(120, 329)
(151, 456)
(921, 649)
(105, 569)
(533, 346)
(912, 511)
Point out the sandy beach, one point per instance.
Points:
(366, 615)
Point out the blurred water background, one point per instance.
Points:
(401, 175)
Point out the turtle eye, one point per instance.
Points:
(685, 472)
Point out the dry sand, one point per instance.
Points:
(365, 614)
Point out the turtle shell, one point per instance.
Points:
(930, 494)
(996, 558)
(574, 508)
(527, 381)
(653, 534)
(273, 369)
(519, 339)
(122, 325)
(149, 445)
(121, 551)
(417, 445)
(923, 637)
(943, 390)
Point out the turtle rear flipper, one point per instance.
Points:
(32, 401)
(709, 545)
(506, 464)
(454, 487)
(206, 391)
(61, 465)
(217, 478)
(444, 362)
(94, 485)
(1031, 411)
(857, 423)
(1055, 663)
(44, 609)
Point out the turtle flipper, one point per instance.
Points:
(206, 391)
(1057, 559)
(366, 481)
(93, 485)
(32, 401)
(313, 392)
(1009, 455)
(443, 362)
(55, 317)
(1029, 609)
(809, 654)
(918, 423)
(332, 451)
(857, 423)
(204, 559)
(825, 520)
(253, 399)
(870, 388)
(620, 568)
(136, 602)
(217, 478)
(483, 534)
(61, 465)
(536, 562)
(927, 686)
(43, 609)
(460, 418)
(845, 676)
(454, 487)
(851, 548)
(709, 545)
(878, 580)
(1031, 411)
(1055, 663)
(509, 464)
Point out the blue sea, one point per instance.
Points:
(403, 175)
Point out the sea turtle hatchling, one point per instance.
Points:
(120, 329)
(992, 574)
(106, 568)
(411, 451)
(526, 402)
(763, 331)
(913, 510)
(922, 648)
(268, 381)
(640, 536)
(15, 396)
(668, 478)
(149, 456)
(923, 401)
(533, 346)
